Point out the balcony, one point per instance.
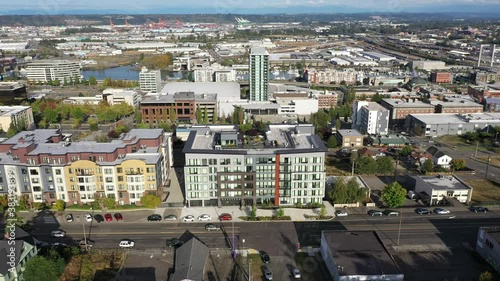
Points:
(134, 172)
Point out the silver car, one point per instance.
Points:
(58, 233)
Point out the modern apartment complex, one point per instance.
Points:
(150, 80)
(51, 70)
(214, 73)
(371, 118)
(40, 165)
(16, 114)
(285, 166)
(259, 74)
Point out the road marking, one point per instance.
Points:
(148, 233)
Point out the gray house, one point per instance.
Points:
(190, 261)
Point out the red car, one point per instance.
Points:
(108, 217)
(118, 217)
(225, 217)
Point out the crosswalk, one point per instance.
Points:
(49, 220)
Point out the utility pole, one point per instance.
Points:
(487, 167)
(84, 235)
(234, 247)
(477, 147)
(400, 223)
(352, 170)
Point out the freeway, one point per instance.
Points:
(282, 238)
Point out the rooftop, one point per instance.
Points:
(442, 182)
(224, 90)
(440, 118)
(258, 51)
(8, 110)
(359, 253)
(348, 133)
(493, 232)
(400, 103)
(373, 106)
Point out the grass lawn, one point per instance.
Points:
(484, 190)
(493, 161)
(308, 267)
(96, 265)
(255, 264)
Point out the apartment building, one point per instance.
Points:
(10, 91)
(327, 100)
(150, 80)
(400, 109)
(441, 77)
(226, 168)
(16, 114)
(259, 74)
(51, 70)
(374, 119)
(350, 138)
(328, 76)
(40, 165)
(117, 96)
(214, 73)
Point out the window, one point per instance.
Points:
(33, 172)
(58, 172)
(108, 171)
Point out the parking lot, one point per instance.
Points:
(147, 266)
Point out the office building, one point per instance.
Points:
(400, 109)
(441, 77)
(11, 92)
(117, 96)
(371, 118)
(40, 165)
(51, 70)
(18, 115)
(458, 106)
(150, 80)
(488, 245)
(436, 190)
(285, 166)
(259, 74)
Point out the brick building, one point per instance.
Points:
(400, 109)
(441, 77)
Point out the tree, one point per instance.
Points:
(4, 201)
(150, 201)
(346, 193)
(486, 276)
(253, 212)
(39, 268)
(12, 131)
(428, 166)
(199, 115)
(332, 142)
(458, 164)
(205, 116)
(280, 212)
(60, 205)
(338, 124)
(384, 165)
(92, 81)
(394, 195)
(322, 211)
(405, 151)
(366, 165)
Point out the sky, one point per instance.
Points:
(53, 7)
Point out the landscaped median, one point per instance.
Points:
(319, 218)
(265, 218)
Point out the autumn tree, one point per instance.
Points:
(458, 164)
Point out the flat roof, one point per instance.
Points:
(224, 90)
(373, 106)
(360, 253)
(400, 103)
(351, 132)
(473, 118)
(493, 232)
(258, 51)
(443, 182)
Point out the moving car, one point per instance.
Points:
(422, 211)
(88, 217)
(174, 242)
(225, 217)
(69, 218)
(296, 273)
(341, 213)
(188, 218)
(108, 217)
(374, 213)
(99, 218)
(268, 274)
(391, 213)
(154, 217)
(477, 209)
(126, 244)
(212, 227)
(441, 211)
(88, 242)
(118, 216)
(204, 217)
(265, 257)
(58, 233)
(171, 218)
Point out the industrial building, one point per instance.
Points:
(450, 124)
(51, 70)
(150, 80)
(284, 166)
(400, 109)
(378, 56)
(428, 65)
(488, 245)
(259, 74)
(437, 190)
(441, 77)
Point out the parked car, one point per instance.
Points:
(88, 217)
(171, 218)
(225, 217)
(204, 217)
(212, 227)
(69, 218)
(268, 274)
(422, 211)
(58, 244)
(374, 213)
(58, 233)
(87, 242)
(126, 244)
(341, 213)
(118, 216)
(296, 273)
(108, 217)
(441, 211)
(188, 218)
(154, 217)
(265, 257)
(391, 213)
(174, 242)
(99, 218)
(477, 209)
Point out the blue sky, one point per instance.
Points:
(247, 6)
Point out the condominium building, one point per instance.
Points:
(259, 74)
(117, 96)
(373, 119)
(285, 166)
(150, 80)
(40, 165)
(17, 115)
(350, 138)
(214, 73)
(51, 70)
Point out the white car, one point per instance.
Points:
(341, 213)
(204, 217)
(188, 218)
(58, 233)
(88, 217)
(441, 211)
(126, 244)
(296, 273)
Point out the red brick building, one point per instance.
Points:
(441, 77)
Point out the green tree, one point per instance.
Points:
(280, 212)
(108, 203)
(4, 200)
(150, 201)
(377, 97)
(394, 195)
(93, 125)
(92, 81)
(428, 166)
(322, 211)
(486, 276)
(405, 151)
(366, 165)
(39, 268)
(384, 165)
(253, 212)
(343, 192)
(199, 115)
(12, 131)
(458, 164)
(60, 205)
(141, 56)
(338, 124)
(205, 116)
(332, 142)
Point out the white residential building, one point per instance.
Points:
(434, 190)
(259, 74)
(16, 114)
(150, 80)
(214, 73)
(117, 96)
(373, 119)
(51, 70)
(438, 157)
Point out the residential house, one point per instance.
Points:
(24, 249)
(190, 259)
(438, 157)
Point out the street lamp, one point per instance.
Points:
(234, 249)
(487, 167)
(400, 223)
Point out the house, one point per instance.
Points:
(438, 157)
(488, 245)
(350, 138)
(190, 261)
(390, 141)
(358, 255)
(420, 158)
(436, 190)
(24, 249)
